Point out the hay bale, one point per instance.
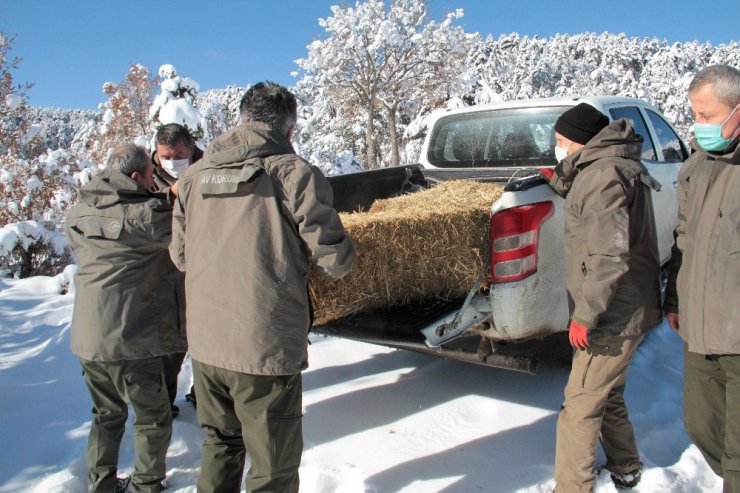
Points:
(429, 244)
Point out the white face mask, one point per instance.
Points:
(561, 153)
(174, 166)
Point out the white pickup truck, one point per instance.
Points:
(515, 323)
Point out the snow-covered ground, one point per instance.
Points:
(376, 420)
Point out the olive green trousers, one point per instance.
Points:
(113, 385)
(712, 412)
(249, 414)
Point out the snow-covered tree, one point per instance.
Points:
(64, 128)
(515, 67)
(391, 44)
(30, 248)
(35, 196)
(220, 108)
(125, 115)
(17, 136)
(40, 189)
(377, 63)
(176, 103)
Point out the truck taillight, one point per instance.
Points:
(514, 241)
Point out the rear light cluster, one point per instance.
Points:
(515, 236)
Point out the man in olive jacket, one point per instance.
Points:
(613, 281)
(248, 219)
(703, 293)
(126, 316)
(174, 151)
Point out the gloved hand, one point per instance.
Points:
(578, 335)
(672, 320)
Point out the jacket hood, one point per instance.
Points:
(247, 141)
(618, 139)
(111, 187)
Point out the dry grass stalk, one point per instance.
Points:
(429, 244)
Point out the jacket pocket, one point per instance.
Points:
(99, 227)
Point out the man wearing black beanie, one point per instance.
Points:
(613, 281)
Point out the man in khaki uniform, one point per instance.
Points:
(174, 151)
(248, 219)
(703, 292)
(613, 281)
(126, 316)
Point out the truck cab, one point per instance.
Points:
(512, 138)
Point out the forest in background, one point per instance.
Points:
(364, 94)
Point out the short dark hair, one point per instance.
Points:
(726, 82)
(129, 158)
(271, 103)
(171, 134)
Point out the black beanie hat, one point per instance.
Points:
(581, 123)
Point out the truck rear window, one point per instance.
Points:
(515, 137)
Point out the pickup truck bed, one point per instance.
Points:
(400, 327)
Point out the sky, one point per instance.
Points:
(376, 420)
(71, 48)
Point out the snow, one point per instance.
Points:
(27, 232)
(6, 177)
(167, 71)
(176, 104)
(35, 130)
(170, 85)
(14, 101)
(377, 420)
(34, 183)
(179, 111)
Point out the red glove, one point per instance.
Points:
(547, 173)
(578, 335)
(672, 320)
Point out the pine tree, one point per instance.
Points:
(176, 104)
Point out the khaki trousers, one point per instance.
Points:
(113, 385)
(712, 412)
(258, 415)
(594, 410)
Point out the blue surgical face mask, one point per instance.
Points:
(709, 135)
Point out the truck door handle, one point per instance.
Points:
(675, 184)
